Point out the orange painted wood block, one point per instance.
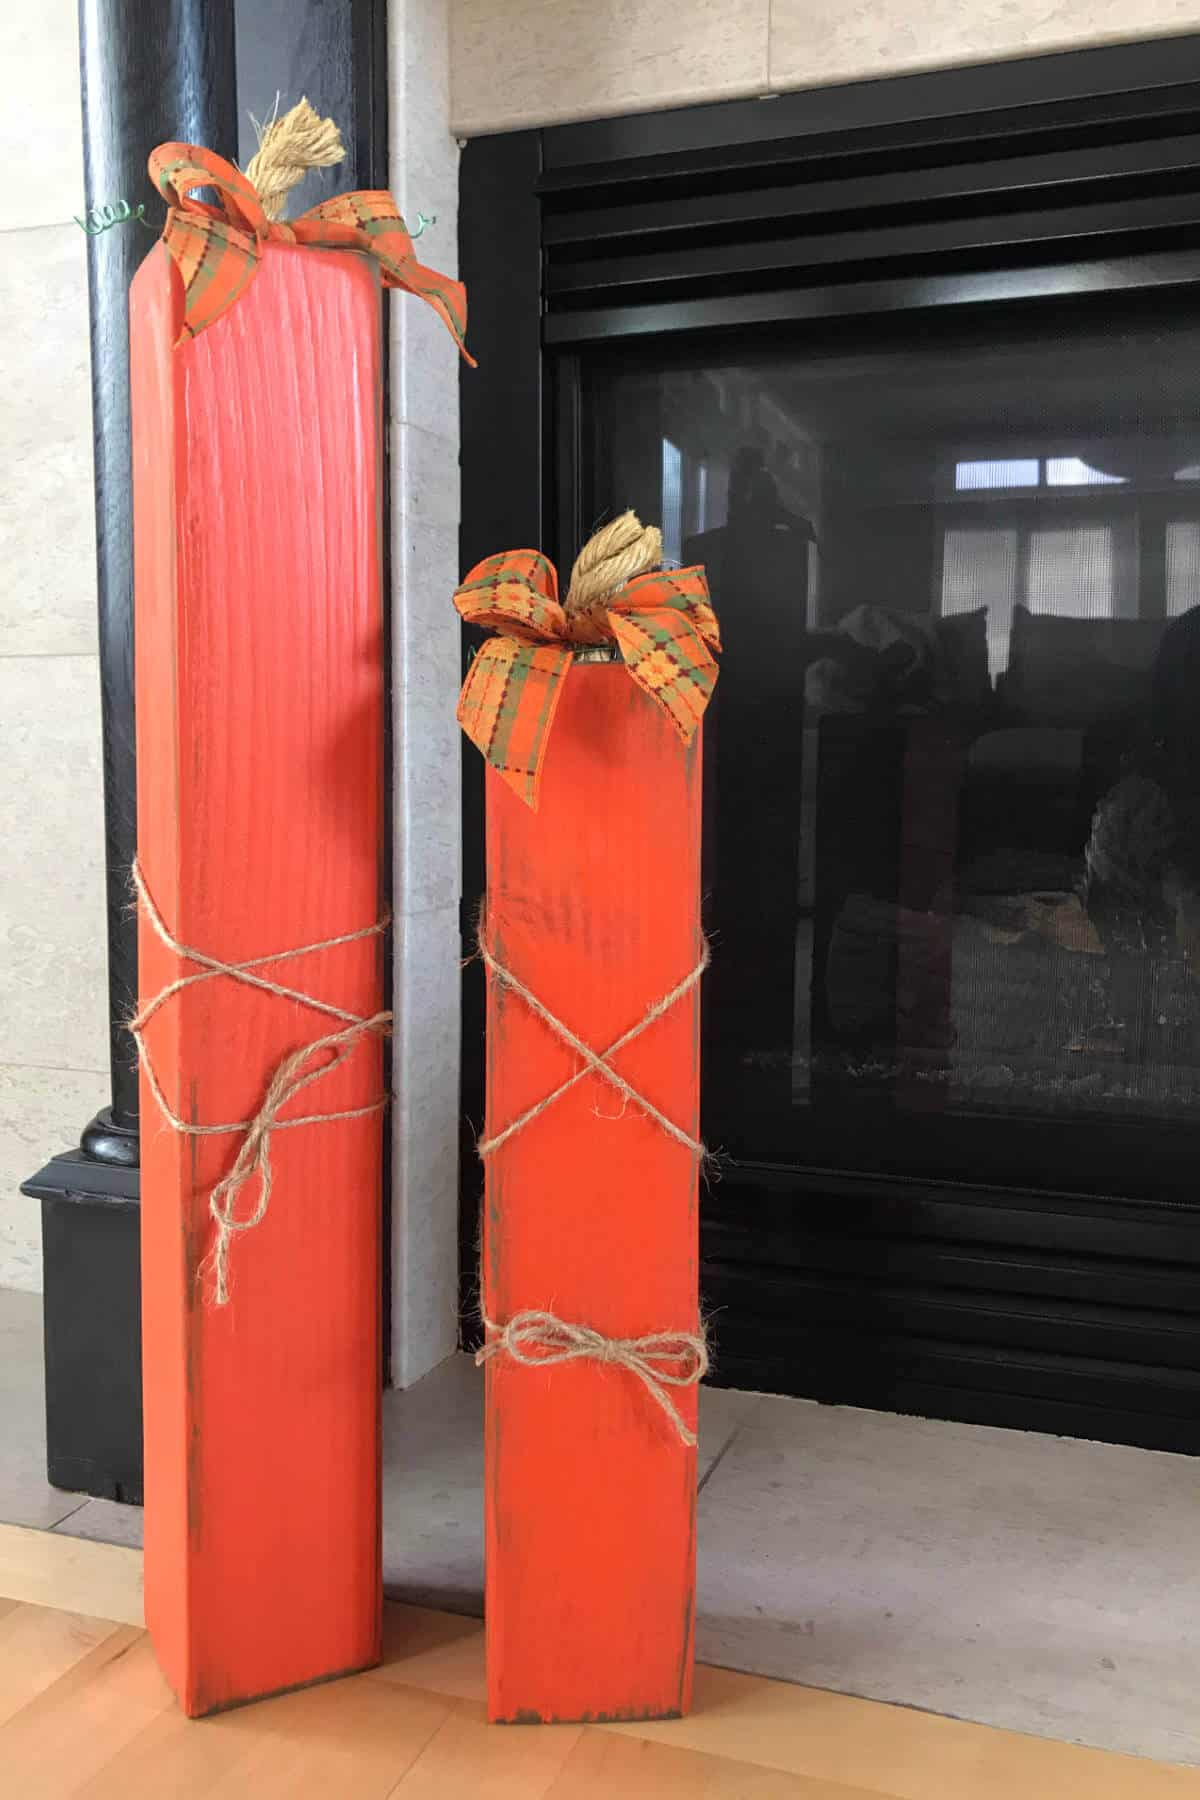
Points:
(260, 770)
(591, 1213)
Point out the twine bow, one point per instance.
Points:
(660, 1360)
(217, 249)
(310, 1063)
(661, 621)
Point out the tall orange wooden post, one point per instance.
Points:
(260, 768)
(590, 1243)
(591, 1214)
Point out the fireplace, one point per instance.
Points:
(913, 368)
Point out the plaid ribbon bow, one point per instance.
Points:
(663, 625)
(217, 248)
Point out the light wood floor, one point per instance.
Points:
(84, 1711)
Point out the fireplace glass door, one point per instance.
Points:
(952, 769)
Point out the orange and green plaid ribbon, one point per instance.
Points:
(662, 623)
(217, 249)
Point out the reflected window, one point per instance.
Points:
(1183, 566)
(952, 766)
(672, 502)
(1072, 471)
(1016, 472)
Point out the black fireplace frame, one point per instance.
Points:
(1057, 180)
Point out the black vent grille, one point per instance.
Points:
(731, 232)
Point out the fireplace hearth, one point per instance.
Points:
(913, 368)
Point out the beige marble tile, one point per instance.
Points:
(26, 1497)
(104, 1522)
(419, 87)
(425, 471)
(425, 1143)
(428, 743)
(42, 1111)
(41, 129)
(433, 1481)
(817, 41)
(1039, 1584)
(530, 62)
(433, 1489)
(427, 756)
(426, 365)
(424, 179)
(47, 535)
(53, 984)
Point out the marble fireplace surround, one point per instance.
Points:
(473, 67)
(517, 63)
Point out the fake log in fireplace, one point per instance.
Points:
(914, 369)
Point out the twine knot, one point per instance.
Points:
(660, 1360)
(595, 1062)
(298, 1070)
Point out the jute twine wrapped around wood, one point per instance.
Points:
(595, 1062)
(660, 1360)
(288, 148)
(309, 1063)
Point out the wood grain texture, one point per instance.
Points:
(260, 758)
(590, 1212)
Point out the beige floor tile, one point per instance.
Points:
(1042, 1584)
(48, 596)
(26, 1497)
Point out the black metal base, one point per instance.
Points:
(106, 1140)
(93, 1325)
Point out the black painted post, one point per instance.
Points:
(151, 70)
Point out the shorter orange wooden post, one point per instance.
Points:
(591, 1213)
(260, 766)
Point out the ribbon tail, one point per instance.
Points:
(507, 707)
(447, 297)
(670, 661)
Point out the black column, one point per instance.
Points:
(151, 70)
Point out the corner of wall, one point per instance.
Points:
(425, 639)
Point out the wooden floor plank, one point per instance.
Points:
(468, 1756)
(897, 1750)
(603, 1765)
(84, 1712)
(37, 1646)
(352, 1738)
(82, 1720)
(438, 1651)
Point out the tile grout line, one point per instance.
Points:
(41, 225)
(717, 1460)
(70, 1514)
(50, 655)
(51, 1069)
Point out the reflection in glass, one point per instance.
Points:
(953, 763)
